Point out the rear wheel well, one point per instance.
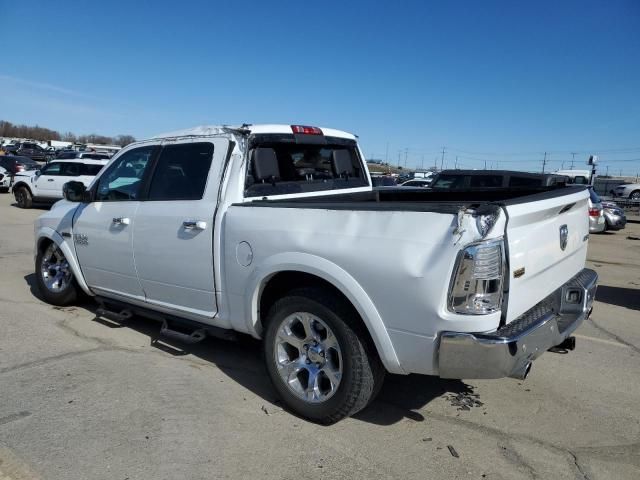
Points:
(280, 284)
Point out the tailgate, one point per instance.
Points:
(534, 244)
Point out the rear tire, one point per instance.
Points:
(24, 199)
(348, 373)
(54, 277)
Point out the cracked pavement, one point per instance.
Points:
(83, 399)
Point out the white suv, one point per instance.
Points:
(45, 185)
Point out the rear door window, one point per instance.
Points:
(181, 172)
(71, 169)
(91, 169)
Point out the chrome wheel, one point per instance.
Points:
(308, 357)
(55, 270)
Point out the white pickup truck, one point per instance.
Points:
(276, 232)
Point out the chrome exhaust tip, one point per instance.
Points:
(522, 373)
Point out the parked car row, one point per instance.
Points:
(29, 149)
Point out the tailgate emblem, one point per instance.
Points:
(564, 236)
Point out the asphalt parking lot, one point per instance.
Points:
(84, 399)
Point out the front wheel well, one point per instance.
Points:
(18, 185)
(280, 284)
(42, 244)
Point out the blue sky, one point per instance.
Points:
(496, 81)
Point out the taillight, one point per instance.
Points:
(306, 130)
(594, 212)
(19, 168)
(476, 285)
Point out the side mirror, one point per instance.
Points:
(74, 191)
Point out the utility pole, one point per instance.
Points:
(442, 160)
(607, 174)
(455, 165)
(406, 152)
(399, 157)
(544, 162)
(422, 164)
(485, 164)
(573, 158)
(386, 155)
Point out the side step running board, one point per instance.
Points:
(194, 336)
(117, 317)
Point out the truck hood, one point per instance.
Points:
(26, 174)
(59, 218)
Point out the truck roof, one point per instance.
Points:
(254, 129)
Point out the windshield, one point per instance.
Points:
(277, 168)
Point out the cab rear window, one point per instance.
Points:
(285, 168)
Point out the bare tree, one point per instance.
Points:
(8, 129)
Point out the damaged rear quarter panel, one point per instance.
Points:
(394, 265)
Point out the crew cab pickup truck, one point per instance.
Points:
(275, 231)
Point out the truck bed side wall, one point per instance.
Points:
(400, 263)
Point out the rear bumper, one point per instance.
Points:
(597, 224)
(509, 350)
(615, 222)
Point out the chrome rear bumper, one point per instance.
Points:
(509, 350)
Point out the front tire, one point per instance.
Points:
(635, 195)
(318, 358)
(24, 199)
(54, 277)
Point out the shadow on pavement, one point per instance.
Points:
(620, 296)
(36, 206)
(400, 397)
(403, 395)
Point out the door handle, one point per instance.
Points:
(120, 221)
(49, 179)
(194, 225)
